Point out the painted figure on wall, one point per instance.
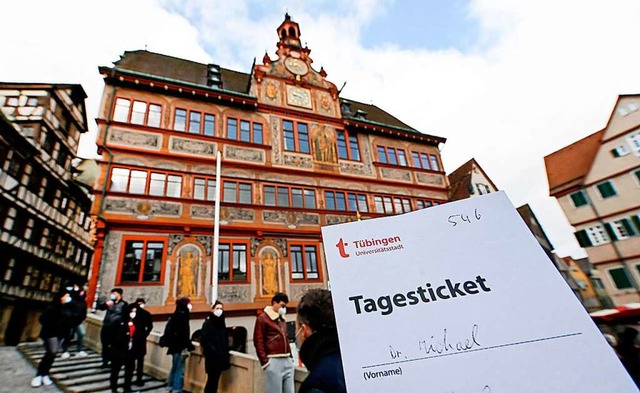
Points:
(324, 144)
(188, 272)
(269, 275)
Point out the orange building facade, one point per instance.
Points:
(295, 157)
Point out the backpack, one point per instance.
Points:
(165, 339)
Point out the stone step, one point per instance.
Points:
(80, 372)
(88, 379)
(57, 368)
(104, 387)
(76, 375)
(72, 359)
(152, 385)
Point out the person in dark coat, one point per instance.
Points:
(629, 352)
(317, 338)
(126, 344)
(144, 325)
(79, 307)
(215, 346)
(56, 323)
(179, 344)
(115, 310)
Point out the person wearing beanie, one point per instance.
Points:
(179, 343)
(115, 310)
(144, 325)
(215, 346)
(56, 323)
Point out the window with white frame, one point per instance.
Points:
(634, 142)
(597, 235)
(623, 228)
(620, 151)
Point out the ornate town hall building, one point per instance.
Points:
(295, 156)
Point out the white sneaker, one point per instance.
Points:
(46, 380)
(36, 382)
(65, 355)
(81, 354)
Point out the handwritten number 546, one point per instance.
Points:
(456, 219)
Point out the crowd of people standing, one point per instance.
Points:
(126, 327)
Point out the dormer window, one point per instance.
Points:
(213, 76)
(360, 114)
(346, 107)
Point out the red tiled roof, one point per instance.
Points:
(567, 167)
(459, 181)
(159, 65)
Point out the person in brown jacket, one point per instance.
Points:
(272, 346)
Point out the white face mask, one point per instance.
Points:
(132, 315)
(217, 312)
(141, 305)
(112, 297)
(189, 306)
(282, 311)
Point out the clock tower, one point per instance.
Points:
(290, 81)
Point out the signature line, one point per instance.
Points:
(475, 350)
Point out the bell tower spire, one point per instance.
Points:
(289, 37)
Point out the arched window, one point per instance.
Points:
(283, 33)
(292, 31)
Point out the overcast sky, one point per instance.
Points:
(505, 81)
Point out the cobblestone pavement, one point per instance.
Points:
(16, 373)
(72, 375)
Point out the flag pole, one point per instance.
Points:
(216, 231)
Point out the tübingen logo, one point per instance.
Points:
(370, 246)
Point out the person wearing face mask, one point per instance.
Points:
(115, 311)
(56, 323)
(271, 341)
(215, 346)
(317, 338)
(179, 344)
(125, 346)
(79, 307)
(144, 325)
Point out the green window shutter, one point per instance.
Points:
(583, 238)
(636, 221)
(621, 278)
(626, 223)
(579, 199)
(606, 189)
(610, 231)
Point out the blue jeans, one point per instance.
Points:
(79, 331)
(176, 376)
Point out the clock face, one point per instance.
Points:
(296, 66)
(298, 97)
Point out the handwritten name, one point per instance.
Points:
(443, 344)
